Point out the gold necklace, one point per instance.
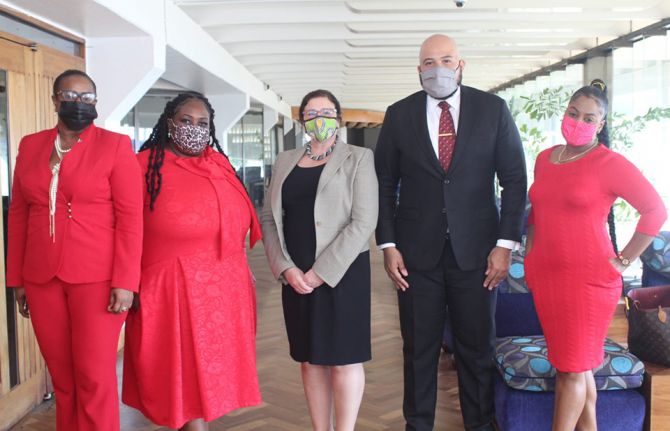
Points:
(576, 156)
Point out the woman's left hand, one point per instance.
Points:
(616, 263)
(312, 279)
(120, 300)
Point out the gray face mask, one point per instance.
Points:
(439, 82)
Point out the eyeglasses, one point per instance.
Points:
(325, 112)
(71, 96)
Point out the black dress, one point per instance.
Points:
(330, 326)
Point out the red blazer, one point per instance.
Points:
(98, 212)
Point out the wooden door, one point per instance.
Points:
(30, 70)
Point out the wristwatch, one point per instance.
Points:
(624, 261)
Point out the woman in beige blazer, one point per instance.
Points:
(319, 214)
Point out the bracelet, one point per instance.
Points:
(624, 261)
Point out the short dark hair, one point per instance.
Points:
(72, 72)
(319, 93)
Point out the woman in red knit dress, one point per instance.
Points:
(190, 344)
(572, 268)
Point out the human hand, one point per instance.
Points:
(395, 268)
(296, 280)
(312, 279)
(20, 294)
(618, 266)
(497, 266)
(120, 300)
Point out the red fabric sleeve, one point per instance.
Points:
(126, 186)
(626, 181)
(17, 229)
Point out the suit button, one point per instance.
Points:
(69, 204)
(444, 210)
(70, 216)
(69, 210)
(447, 181)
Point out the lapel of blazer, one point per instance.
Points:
(293, 157)
(420, 125)
(466, 120)
(340, 153)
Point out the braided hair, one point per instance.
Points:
(159, 139)
(597, 91)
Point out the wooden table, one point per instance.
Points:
(656, 390)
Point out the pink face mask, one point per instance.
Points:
(578, 133)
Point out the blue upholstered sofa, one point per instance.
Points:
(620, 407)
(656, 261)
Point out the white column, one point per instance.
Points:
(601, 68)
(228, 110)
(270, 119)
(124, 69)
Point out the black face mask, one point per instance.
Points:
(77, 115)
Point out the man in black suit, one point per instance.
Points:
(445, 243)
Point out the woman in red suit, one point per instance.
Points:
(74, 244)
(572, 268)
(190, 345)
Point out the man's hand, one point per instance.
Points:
(497, 266)
(120, 300)
(395, 268)
(296, 279)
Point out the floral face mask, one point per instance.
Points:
(321, 128)
(189, 138)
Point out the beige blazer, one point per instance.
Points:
(345, 211)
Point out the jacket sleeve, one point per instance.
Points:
(273, 247)
(511, 172)
(388, 173)
(126, 186)
(17, 230)
(335, 260)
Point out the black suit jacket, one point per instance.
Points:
(487, 144)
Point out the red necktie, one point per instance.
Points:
(447, 137)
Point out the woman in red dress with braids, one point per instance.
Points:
(572, 268)
(190, 345)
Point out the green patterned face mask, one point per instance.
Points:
(321, 128)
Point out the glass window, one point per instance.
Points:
(246, 150)
(4, 136)
(140, 121)
(640, 82)
(538, 134)
(5, 179)
(252, 153)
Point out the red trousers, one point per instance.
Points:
(78, 338)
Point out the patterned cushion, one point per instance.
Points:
(657, 255)
(516, 280)
(522, 361)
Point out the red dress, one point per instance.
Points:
(190, 347)
(574, 286)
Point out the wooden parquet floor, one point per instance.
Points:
(284, 407)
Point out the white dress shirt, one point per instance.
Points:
(433, 113)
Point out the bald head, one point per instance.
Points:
(439, 50)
